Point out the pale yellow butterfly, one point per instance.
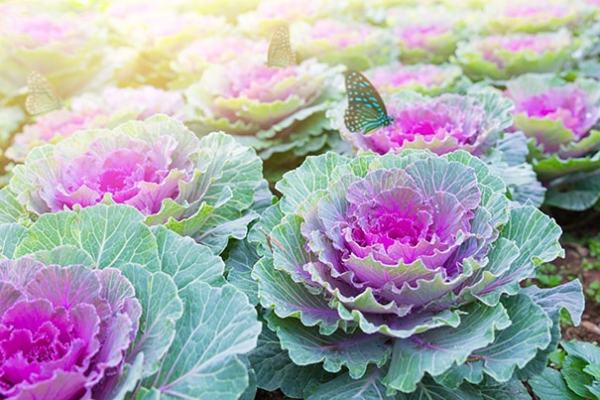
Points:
(281, 53)
(41, 97)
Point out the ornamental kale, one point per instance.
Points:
(408, 264)
(105, 307)
(203, 188)
(560, 118)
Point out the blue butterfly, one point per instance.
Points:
(366, 110)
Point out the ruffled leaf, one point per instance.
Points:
(110, 235)
(217, 326)
(435, 351)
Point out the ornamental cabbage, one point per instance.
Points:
(559, 117)
(407, 264)
(107, 308)
(275, 110)
(355, 45)
(428, 79)
(501, 57)
(63, 330)
(149, 39)
(200, 54)
(534, 16)
(203, 188)
(68, 49)
(104, 110)
(424, 34)
(441, 124)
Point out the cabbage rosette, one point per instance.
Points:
(442, 124)
(503, 56)
(204, 188)
(274, 110)
(192, 61)
(406, 265)
(108, 308)
(356, 45)
(427, 79)
(424, 34)
(150, 39)
(560, 117)
(535, 16)
(68, 49)
(106, 109)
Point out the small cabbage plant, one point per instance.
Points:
(204, 188)
(274, 110)
(504, 56)
(97, 305)
(401, 273)
(560, 118)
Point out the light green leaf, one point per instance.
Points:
(277, 291)
(307, 346)
(583, 350)
(577, 380)
(218, 325)
(519, 343)
(274, 369)
(111, 235)
(575, 192)
(64, 255)
(185, 260)
(435, 351)
(161, 307)
(549, 385)
(429, 390)
(512, 390)
(301, 184)
(239, 264)
(345, 388)
(11, 210)
(10, 236)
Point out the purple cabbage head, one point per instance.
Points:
(63, 330)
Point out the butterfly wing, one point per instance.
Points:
(366, 110)
(280, 49)
(41, 97)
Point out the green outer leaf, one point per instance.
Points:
(10, 209)
(549, 385)
(301, 184)
(345, 388)
(306, 346)
(554, 166)
(10, 236)
(575, 192)
(64, 255)
(429, 390)
(568, 296)
(512, 390)
(185, 260)
(518, 344)
(161, 307)
(111, 235)
(239, 264)
(583, 350)
(277, 291)
(274, 369)
(577, 380)
(435, 351)
(536, 236)
(218, 325)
